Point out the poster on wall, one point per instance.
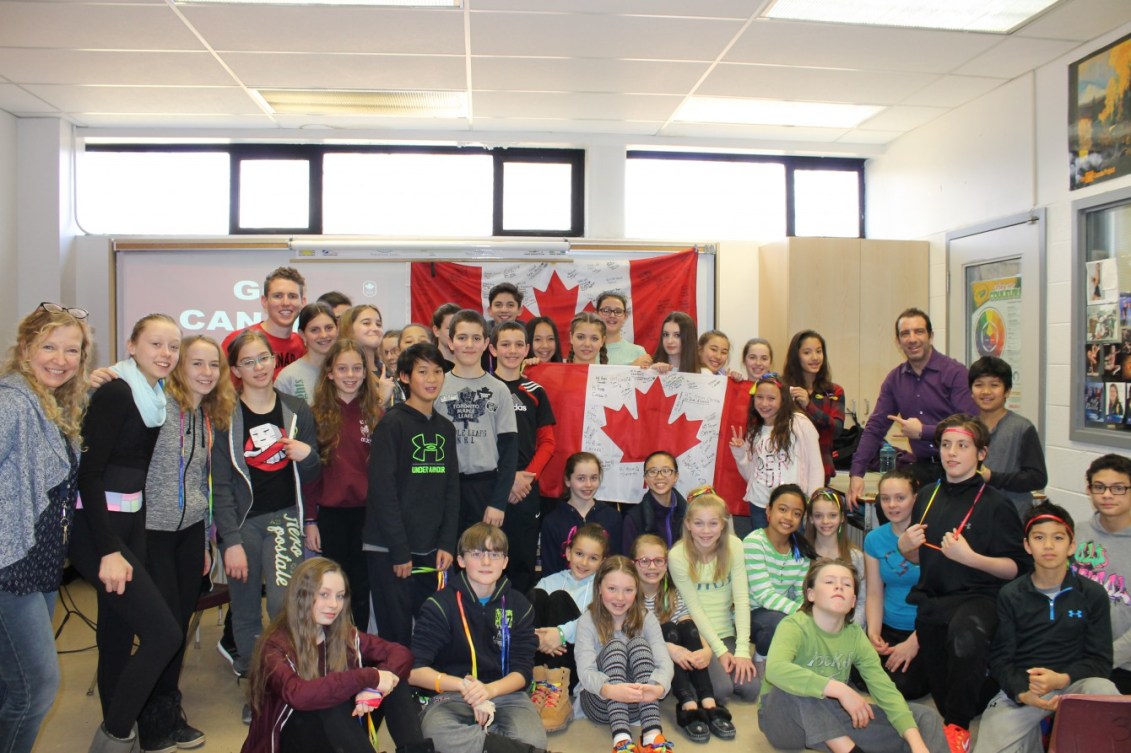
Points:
(1107, 353)
(995, 325)
(1099, 115)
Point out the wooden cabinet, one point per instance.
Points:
(848, 289)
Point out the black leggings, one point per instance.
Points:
(687, 685)
(336, 730)
(911, 681)
(126, 678)
(956, 659)
(551, 610)
(522, 526)
(175, 561)
(340, 529)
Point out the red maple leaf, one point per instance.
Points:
(557, 302)
(653, 428)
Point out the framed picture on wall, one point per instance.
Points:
(1099, 115)
(1101, 323)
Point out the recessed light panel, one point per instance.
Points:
(998, 16)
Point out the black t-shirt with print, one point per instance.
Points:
(272, 479)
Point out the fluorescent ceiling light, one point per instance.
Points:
(404, 104)
(773, 112)
(999, 16)
(376, 3)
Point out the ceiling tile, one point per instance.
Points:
(869, 137)
(179, 120)
(952, 91)
(40, 66)
(566, 127)
(752, 132)
(347, 71)
(857, 47)
(902, 118)
(1079, 20)
(592, 36)
(98, 27)
(812, 84)
(229, 100)
(16, 101)
(699, 8)
(1014, 57)
(329, 29)
(585, 75)
(571, 106)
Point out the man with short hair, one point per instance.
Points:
(284, 295)
(918, 393)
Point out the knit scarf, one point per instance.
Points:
(150, 401)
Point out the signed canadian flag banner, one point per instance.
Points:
(622, 414)
(655, 286)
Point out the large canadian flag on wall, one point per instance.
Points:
(622, 414)
(655, 286)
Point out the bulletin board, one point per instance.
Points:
(1101, 304)
(213, 287)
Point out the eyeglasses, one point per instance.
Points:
(251, 363)
(661, 472)
(55, 308)
(611, 312)
(478, 554)
(1117, 489)
(651, 561)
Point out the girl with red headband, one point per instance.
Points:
(967, 539)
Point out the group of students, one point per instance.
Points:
(397, 458)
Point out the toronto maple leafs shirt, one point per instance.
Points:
(481, 410)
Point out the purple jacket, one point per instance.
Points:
(942, 390)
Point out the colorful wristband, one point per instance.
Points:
(438, 676)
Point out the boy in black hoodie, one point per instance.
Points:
(1053, 637)
(412, 510)
(473, 647)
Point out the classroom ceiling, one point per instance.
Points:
(566, 69)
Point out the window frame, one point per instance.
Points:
(791, 164)
(314, 154)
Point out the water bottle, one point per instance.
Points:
(888, 455)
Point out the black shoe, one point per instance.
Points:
(693, 723)
(184, 735)
(155, 725)
(421, 747)
(720, 722)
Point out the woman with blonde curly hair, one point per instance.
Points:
(42, 399)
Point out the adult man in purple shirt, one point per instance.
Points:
(918, 394)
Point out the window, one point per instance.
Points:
(327, 189)
(166, 193)
(726, 196)
(407, 194)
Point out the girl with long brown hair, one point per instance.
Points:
(346, 410)
(623, 664)
(779, 447)
(314, 673)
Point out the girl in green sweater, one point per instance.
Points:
(806, 701)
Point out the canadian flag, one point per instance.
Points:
(655, 286)
(623, 413)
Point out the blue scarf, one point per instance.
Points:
(150, 401)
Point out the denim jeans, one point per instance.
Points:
(29, 668)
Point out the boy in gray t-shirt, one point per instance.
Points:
(480, 406)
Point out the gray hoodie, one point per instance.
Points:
(1105, 557)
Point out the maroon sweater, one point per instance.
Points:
(287, 692)
(345, 481)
